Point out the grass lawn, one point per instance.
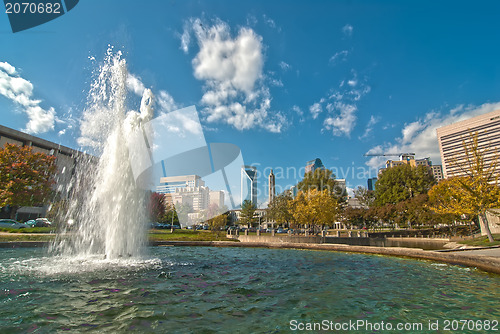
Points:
(187, 235)
(44, 234)
(482, 241)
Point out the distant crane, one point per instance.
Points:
(387, 154)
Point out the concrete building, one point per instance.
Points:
(272, 185)
(437, 172)
(451, 139)
(249, 184)
(66, 162)
(312, 165)
(190, 190)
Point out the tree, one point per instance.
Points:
(279, 208)
(157, 207)
(321, 179)
(247, 216)
(217, 224)
(366, 197)
(26, 177)
(315, 208)
(399, 183)
(475, 192)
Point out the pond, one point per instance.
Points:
(229, 290)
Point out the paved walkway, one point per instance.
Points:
(493, 252)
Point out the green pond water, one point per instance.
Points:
(239, 290)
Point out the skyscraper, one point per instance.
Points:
(312, 165)
(249, 184)
(451, 139)
(272, 183)
(371, 183)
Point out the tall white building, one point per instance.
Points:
(249, 184)
(451, 142)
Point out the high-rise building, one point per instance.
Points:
(249, 184)
(272, 184)
(371, 183)
(451, 140)
(312, 165)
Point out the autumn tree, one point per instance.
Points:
(26, 177)
(476, 189)
(156, 207)
(315, 208)
(247, 216)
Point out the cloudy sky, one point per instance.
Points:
(286, 81)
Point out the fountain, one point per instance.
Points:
(106, 213)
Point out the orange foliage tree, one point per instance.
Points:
(26, 177)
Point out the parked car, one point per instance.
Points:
(30, 223)
(42, 222)
(10, 223)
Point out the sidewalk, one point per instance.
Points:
(491, 251)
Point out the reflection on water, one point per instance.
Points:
(221, 290)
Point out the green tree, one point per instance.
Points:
(366, 197)
(26, 177)
(322, 179)
(399, 183)
(279, 209)
(247, 216)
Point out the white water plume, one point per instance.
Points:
(107, 211)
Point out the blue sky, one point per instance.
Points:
(286, 81)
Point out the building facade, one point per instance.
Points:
(66, 162)
(249, 184)
(451, 140)
(190, 190)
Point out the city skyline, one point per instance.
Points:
(286, 82)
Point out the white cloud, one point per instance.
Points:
(315, 110)
(343, 123)
(166, 102)
(269, 21)
(420, 136)
(339, 57)
(298, 110)
(284, 66)
(135, 84)
(232, 70)
(369, 127)
(347, 30)
(20, 91)
(342, 106)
